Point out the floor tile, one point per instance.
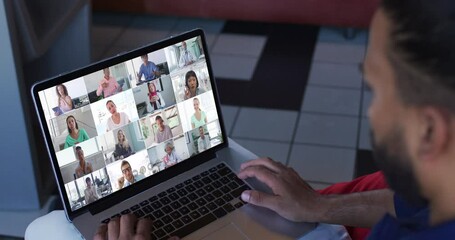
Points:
(331, 130)
(266, 124)
(233, 67)
(323, 164)
(237, 44)
(208, 25)
(336, 75)
(339, 53)
(229, 116)
(276, 150)
(135, 38)
(366, 101)
(337, 35)
(331, 100)
(364, 138)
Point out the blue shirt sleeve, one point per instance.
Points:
(404, 209)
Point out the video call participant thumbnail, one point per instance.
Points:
(164, 131)
(128, 178)
(148, 69)
(192, 88)
(84, 167)
(75, 135)
(108, 85)
(155, 98)
(203, 143)
(90, 192)
(171, 158)
(122, 148)
(186, 57)
(64, 103)
(117, 119)
(199, 117)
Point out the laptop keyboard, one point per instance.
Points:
(192, 204)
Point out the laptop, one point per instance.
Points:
(154, 146)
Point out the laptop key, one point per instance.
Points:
(201, 192)
(176, 215)
(171, 190)
(126, 211)
(233, 185)
(203, 210)
(187, 182)
(166, 219)
(217, 193)
(214, 176)
(209, 188)
(162, 194)
(154, 198)
(192, 206)
(184, 200)
(212, 206)
(225, 189)
(195, 178)
(224, 171)
(176, 205)
(195, 215)
(165, 200)
(158, 214)
(213, 169)
(177, 224)
(221, 165)
(209, 197)
(216, 184)
(159, 233)
(198, 184)
(225, 180)
(106, 221)
(169, 228)
(192, 196)
(116, 216)
(190, 188)
(158, 223)
(156, 205)
(238, 205)
(220, 212)
(204, 173)
(166, 209)
(201, 202)
(135, 207)
(147, 209)
(182, 192)
(144, 203)
(139, 213)
(179, 186)
(174, 196)
(220, 202)
(186, 219)
(228, 207)
(184, 210)
(206, 180)
(227, 197)
(201, 222)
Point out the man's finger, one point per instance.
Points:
(101, 233)
(113, 228)
(260, 199)
(127, 223)
(265, 162)
(262, 174)
(144, 226)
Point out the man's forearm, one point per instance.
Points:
(362, 209)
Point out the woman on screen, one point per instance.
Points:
(65, 103)
(192, 88)
(156, 101)
(75, 135)
(199, 117)
(117, 119)
(122, 148)
(171, 157)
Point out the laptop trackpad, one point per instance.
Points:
(228, 232)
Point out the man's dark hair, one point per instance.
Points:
(78, 148)
(124, 162)
(421, 49)
(88, 180)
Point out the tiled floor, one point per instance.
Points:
(290, 92)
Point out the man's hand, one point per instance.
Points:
(292, 197)
(125, 228)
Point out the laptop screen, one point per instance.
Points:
(120, 124)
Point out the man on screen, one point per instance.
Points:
(164, 131)
(128, 177)
(148, 69)
(83, 167)
(90, 192)
(203, 143)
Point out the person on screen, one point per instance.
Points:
(164, 131)
(108, 85)
(156, 101)
(203, 143)
(192, 88)
(122, 148)
(84, 167)
(90, 192)
(117, 119)
(145, 128)
(128, 177)
(75, 135)
(171, 157)
(186, 57)
(199, 117)
(64, 102)
(148, 69)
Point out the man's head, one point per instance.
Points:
(106, 72)
(127, 171)
(201, 132)
(184, 45)
(409, 67)
(80, 154)
(88, 181)
(145, 58)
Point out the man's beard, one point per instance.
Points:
(391, 156)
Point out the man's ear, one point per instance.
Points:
(435, 135)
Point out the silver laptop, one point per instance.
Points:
(143, 133)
